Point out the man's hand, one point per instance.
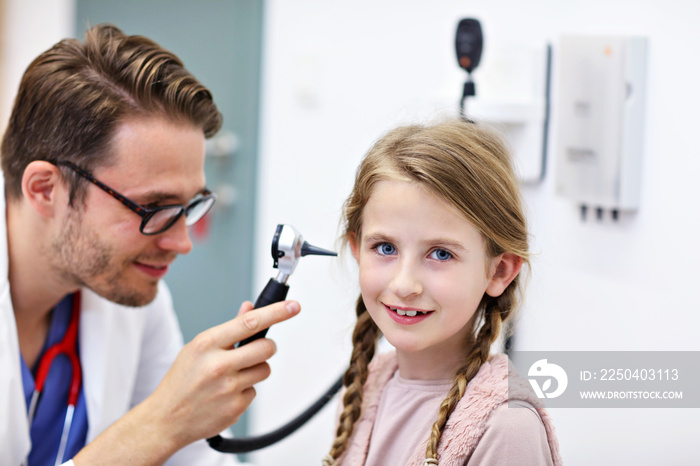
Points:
(211, 384)
(206, 390)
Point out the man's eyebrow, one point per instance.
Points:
(162, 197)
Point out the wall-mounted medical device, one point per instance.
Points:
(513, 98)
(469, 42)
(600, 108)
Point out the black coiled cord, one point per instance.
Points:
(247, 444)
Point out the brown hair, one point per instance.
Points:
(73, 96)
(470, 168)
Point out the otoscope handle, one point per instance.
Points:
(273, 292)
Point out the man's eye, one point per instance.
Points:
(441, 254)
(385, 249)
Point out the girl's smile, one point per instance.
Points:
(407, 316)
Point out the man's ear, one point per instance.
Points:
(42, 186)
(504, 269)
(354, 246)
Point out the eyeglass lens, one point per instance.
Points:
(166, 217)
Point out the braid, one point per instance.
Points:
(364, 341)
(496, 311)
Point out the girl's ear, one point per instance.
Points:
(354, 246)
(41, 186)
(504, 270)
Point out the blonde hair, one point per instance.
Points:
(470, 168)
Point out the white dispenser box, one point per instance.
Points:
(600, 110)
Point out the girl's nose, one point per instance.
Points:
(406, 282)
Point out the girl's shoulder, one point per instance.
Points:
(499, 414)
(514, 434)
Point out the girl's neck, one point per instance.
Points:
(427, 365)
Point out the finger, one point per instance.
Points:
(229, 411)
(257, 352)
(252, 375)
(238, 381)
(251, 322)
(240, 405)
(245, 307)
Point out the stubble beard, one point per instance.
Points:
(82, 257)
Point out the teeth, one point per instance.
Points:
(408, 313)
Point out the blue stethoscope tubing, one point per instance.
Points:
(68, 347)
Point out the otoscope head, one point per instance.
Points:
(311, 250)
(288, 246)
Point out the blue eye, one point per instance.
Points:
(441, 255)
(385, 249)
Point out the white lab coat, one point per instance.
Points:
(124, 353)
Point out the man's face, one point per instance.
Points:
(99, 245)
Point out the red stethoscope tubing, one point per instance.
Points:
(69, 348)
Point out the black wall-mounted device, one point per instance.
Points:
(469, 42)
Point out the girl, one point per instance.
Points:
(436, 225)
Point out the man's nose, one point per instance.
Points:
(176, 238)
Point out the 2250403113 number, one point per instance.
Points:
(639, 374)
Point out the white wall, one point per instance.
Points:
(29, 27)
(339, 74)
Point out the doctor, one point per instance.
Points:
(103, 172)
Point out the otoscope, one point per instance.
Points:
(288, 246)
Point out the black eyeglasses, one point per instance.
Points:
(156, 219)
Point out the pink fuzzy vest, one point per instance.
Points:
(487, 391)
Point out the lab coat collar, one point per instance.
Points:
(15, 433)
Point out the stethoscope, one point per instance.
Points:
(68, 347)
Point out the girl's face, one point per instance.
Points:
(423, 271)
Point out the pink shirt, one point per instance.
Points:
(408, 408)
(483, 430)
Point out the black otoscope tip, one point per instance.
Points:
(310, 250)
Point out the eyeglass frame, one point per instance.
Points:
(146, 213)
